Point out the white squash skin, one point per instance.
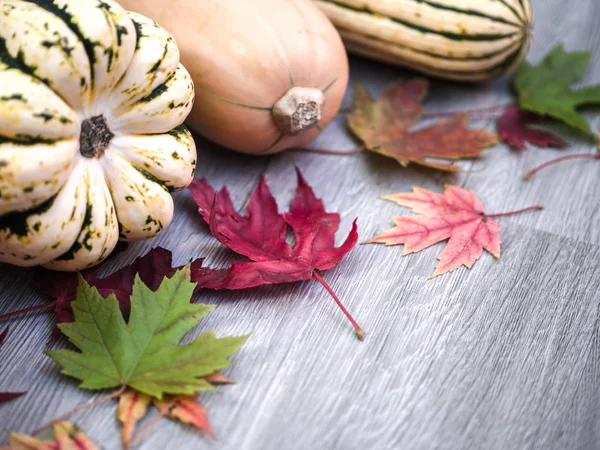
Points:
(21, 185)
(85, 204)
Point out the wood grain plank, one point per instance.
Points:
(503, 356)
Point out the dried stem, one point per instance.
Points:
(518, 211)
(360, 334)
(26, 310)
(532, 172)
(81, 407)
(487, 110)
(151, 424)
(330, 151)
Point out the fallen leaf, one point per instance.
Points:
(544, 88)
(66, 436)
(132, 407)
(260, 235)
(514, 130)
(457, 215)
(186, 409)
(384, 126)
(62, 286)
(6, 396)
(143, 353)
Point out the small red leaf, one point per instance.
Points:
(513, 129)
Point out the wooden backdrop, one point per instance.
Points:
(503, 356)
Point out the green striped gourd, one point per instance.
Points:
(464, 40)
(92, 99)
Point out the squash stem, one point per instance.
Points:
(299, 109)
(360, 334)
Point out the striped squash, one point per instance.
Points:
(464, 40)
(92, 101)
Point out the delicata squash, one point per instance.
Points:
(463, 40)
(92, 101)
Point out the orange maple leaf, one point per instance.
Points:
(66, 436)
(384, 127)
(133, 406)
(457, 215)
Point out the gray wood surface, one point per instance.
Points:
(504, 356)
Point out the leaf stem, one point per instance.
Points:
(518, 211)
(151, 424)
(532, 172)
(486, 110)
(360, 334)
(328, 151)
(81, 407)
(26, 310)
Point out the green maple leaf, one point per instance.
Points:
(544, 89)
(143, 354)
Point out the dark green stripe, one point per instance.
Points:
(158, 90)
(69, 255)
(522, 17)
(27, 139)
(273, 144)
(434, 55)
(16, 222)
(468, 12)
(152, 178)
(18, 62)
(71, 22)
(453, 36)
(506, 62)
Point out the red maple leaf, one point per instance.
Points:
(62, 286)
(457, 215)
(260, 235)
(513, 129)
(5, 396)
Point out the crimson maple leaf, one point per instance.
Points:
(513, 129)
(457, 215)
(260, 235)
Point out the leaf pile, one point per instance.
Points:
(143, 353)
(384, 126)
(152, 268)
